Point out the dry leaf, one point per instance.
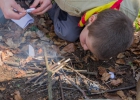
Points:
(137, 76)
(105, 76)
(120, 72)
(120, 55)
(3, 56)
(20, 74)
(86, 58)
(2, 88)
(129, 98)
(121, 94)
(45, 30)
(1, 62)
(69, 48)
(52, 34)
(136, 52)
(11, 44)
(111, 69)
(138, 90)
(120, 61)
(55, 48)
(137, 61)
(111, 96)
(116, 82)
(17, 95)
(9, 54)
(127, 53)
(94, 58)
(132, 92)
(102, 70)
(40, 51)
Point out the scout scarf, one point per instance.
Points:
(112, 5)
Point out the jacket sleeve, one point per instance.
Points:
(130, 8)
(78, 7)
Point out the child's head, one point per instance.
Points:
(107, 34)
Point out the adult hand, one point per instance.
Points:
(8, 6)
(45, 5)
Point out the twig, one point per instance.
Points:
(82, 76)
(113, 90)
(84, 94)
(138, 90)
(35, 77)
(34, 68)
(49, 75)
(106, 84)
(60, 84)
(11, 63)
(82, 71)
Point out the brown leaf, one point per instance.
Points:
(40, 51)
(105, 76)
(52, 34)
(69, 48)
(20, 74)
(137, 76)
(45, 30)
(113, 97)
(3, 56)
(55, 48)
(1, 62)
(132, 92)
(2, 88)
(121, 94)
(112, 69)
(11, 44)
(17, 95)
(129, 98)
(102, 70)
(9, 54)
(120, 72)
(120, 61)
(137, 62)
(136, 52)
(116, 82)
(86, 58)
(120, 55)
(94, 58)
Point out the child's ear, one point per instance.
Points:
(92, 18)
(85, 47)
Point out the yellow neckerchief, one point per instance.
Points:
(113, 5)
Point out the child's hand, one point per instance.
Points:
(45, 5)
(8, 6)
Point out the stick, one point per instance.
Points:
(61, 90)
(35, 77)
(84, 94)
(113, 90)
(49, 75)
(82, 76)
(82, 71)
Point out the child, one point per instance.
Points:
(107, 32)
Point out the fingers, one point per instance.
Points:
(35, 3)
(42, 9)
(18, 7)
(12, 15)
